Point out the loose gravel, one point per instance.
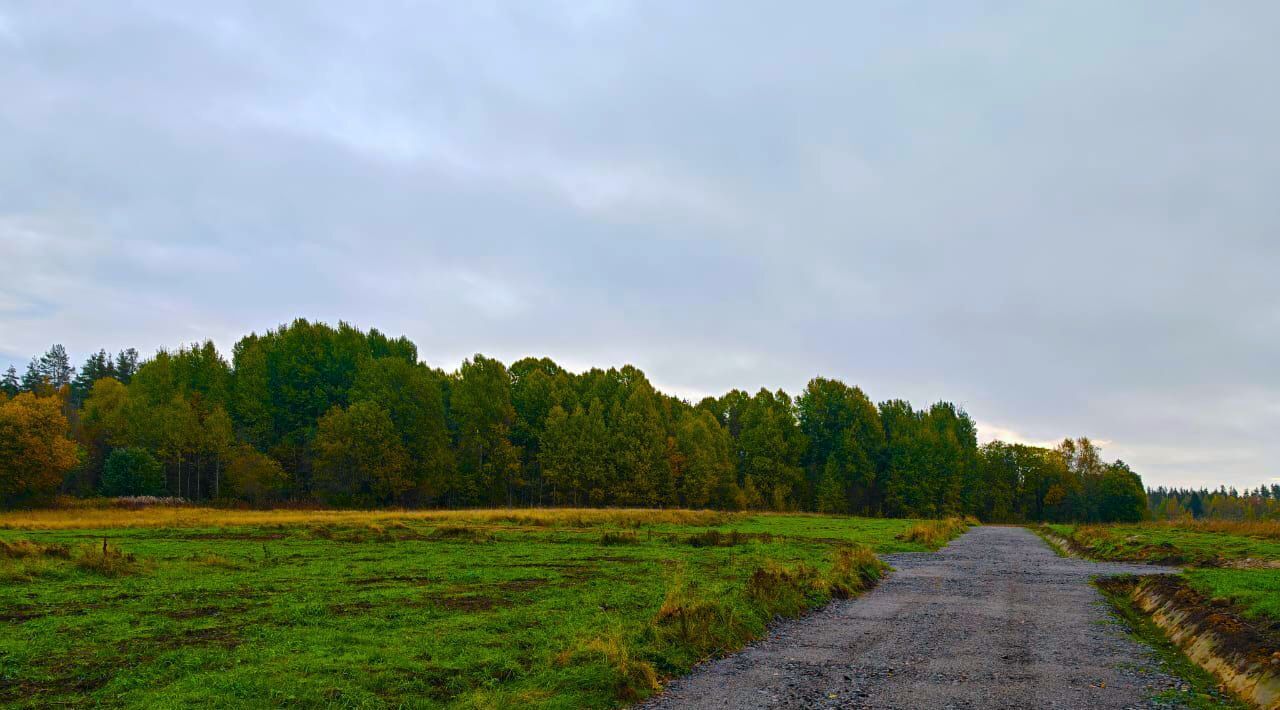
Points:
(994, 620)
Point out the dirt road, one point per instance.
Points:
(994, 620)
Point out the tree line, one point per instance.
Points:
(310, 412)
(1261, 503)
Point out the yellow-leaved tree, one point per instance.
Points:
(35, 451)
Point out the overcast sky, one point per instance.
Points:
(1064, 216)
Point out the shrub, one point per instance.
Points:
(132, 472)
(254, 476)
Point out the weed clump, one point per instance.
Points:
(854, 570)
(461, 534)
(25, 549)
(619, 538)
(935, 533)
(787, 591)
(633, 679)
(698, 623)
(715, 538)
(322, 532)
(107, 561)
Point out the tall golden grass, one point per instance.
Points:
(936, 533)
(194, 517)
(1248, 528)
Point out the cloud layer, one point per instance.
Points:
(1061, 216)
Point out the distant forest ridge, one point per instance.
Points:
(1261, 503)
(336, 415)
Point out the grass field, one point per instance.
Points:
(564, 608)
(1235, 562)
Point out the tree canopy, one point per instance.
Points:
(309, 411)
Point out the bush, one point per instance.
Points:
(255, 477)
(132, 472)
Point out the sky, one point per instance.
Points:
(1061, 215)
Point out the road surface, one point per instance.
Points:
(994, 620)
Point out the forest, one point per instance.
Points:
(312, 414)
(1261, 503)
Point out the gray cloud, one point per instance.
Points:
(1060, 215)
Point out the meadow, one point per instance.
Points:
(181, 606)
(1236, 563)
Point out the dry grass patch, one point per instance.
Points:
(715, 538)
(197, 517)
(936, 533)
(1266, 529)
(107, 561)
(24, 549)
(461, 534)
(633, 679)
(609, 539)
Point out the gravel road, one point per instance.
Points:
(994, 620)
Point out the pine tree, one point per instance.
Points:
(55, 365)
(10, 384)
(34, 379)
(126, 365)
(96, 367)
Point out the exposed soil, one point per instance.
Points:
(994, 620)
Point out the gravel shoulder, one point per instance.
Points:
(994, 620)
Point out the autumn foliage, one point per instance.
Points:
(35, 451)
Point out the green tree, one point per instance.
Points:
(126, 365)
(846, 443)
(359, 459)
(1121, 497)
(480, 404)
(132, 472)
(537, 385)
(574, 454)
(10, 384)
(770, 447)
(96, 366)
(639, 447)
(706, 460)
(55, 367)
(254, 476)
(35, 380)
(411, 395)
(287, 378)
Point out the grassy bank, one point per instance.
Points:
(1202, 691)
(564, 608)
(1202, 544)
(1232, 563)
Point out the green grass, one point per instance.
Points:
(1174, 544)
(1255, 592)
(405, 612)
(1205, 547)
